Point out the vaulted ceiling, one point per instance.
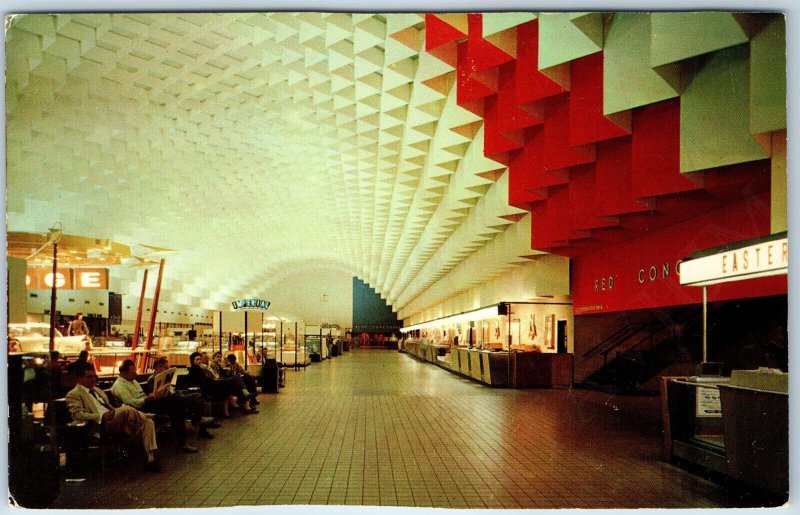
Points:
(257, 146)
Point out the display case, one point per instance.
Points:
(518, 344)
(738, 426)
(291, 344)
(175, 350)
(35, 337)
(314, 345)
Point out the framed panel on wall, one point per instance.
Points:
(532, 328)
(549, 331)
(516, 332)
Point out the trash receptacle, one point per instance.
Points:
(269, 376)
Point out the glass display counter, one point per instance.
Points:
(500, 345)
(737, 427)
(177, 352)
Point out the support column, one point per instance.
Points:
(53, 295)
(137, 327)
(153, 311)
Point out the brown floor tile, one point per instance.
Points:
(380, 428)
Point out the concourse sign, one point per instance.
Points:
(243, 304)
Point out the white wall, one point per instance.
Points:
(16, 290)
(297, 297)
(300, 296)
(546, 277)
(70, 302)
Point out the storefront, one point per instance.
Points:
(629, 298)
(517, 344)
(737, 425)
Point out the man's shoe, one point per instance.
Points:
(186, 448)
(152, 466)
(203, 433)
(208, 422)
(251, 411)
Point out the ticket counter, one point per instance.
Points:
(498, 368)
(739, 428)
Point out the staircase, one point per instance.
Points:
(637, 352)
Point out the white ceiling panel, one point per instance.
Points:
(259, 146)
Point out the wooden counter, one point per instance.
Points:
(527, 369)
(745, 437)
(539, 369)
(756, 432)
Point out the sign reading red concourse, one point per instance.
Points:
(645, 272)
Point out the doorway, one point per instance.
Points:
(561, 336)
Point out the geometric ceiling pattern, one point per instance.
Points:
(425, 154)
(616, 124)
(256, 145)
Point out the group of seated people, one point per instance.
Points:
(137, 403)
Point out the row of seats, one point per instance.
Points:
(81, 445)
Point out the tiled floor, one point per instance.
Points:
(376, 427)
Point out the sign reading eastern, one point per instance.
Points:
(250, 304)
(757, 260)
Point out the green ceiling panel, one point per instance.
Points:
(628, 80)
(560, 41)
(590, 24)
(679, 36)
(498, 22)
(768, 78)
(715, 128)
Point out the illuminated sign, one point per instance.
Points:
(650, 271)
(757, 260)
(250, 304)
(67, 278)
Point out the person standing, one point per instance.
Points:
(78, 327)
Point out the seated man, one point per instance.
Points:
(223, 372)
(130, 392)
(87, 403)
(83, 358)
(249, 381)
(216, 388)
(216, 365)
(58, 379)
(193, 403)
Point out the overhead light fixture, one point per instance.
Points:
(53, 235)
(467, 316)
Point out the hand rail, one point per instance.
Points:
(627, 332)
(616, 334)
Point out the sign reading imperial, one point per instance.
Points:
(250, 304)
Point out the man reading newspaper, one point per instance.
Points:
(161, 400)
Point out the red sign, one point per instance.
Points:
(643, 272)
(67, 278)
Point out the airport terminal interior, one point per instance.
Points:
(497, 260)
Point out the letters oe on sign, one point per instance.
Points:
(67, 278)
